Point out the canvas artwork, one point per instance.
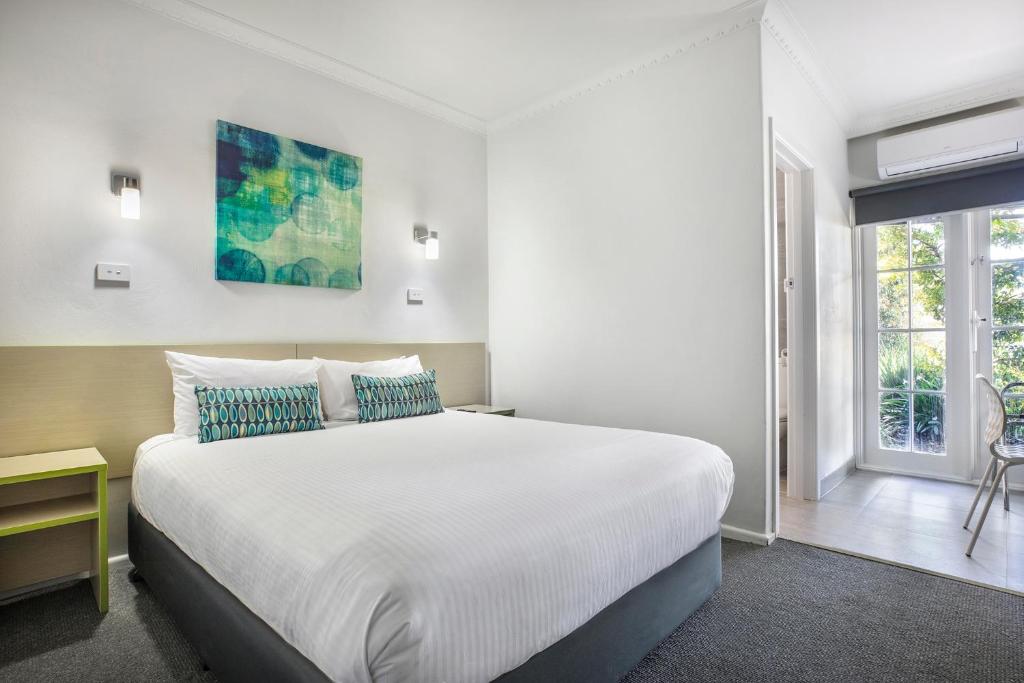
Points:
(288, 212)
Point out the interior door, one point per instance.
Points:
(917, 366)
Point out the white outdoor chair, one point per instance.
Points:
(1003, 457)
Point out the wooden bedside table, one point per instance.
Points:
(486, 410)
(53, 519)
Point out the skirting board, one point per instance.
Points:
(836, 477)
(746, 535)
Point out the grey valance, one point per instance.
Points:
(956, 191)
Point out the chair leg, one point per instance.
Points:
(977, 494)
(984, 511)
(1006, 490)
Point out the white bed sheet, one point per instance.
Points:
(449, 547)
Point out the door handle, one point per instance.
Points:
(976, 320)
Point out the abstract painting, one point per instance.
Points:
(288, 212)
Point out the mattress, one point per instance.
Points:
(448, 547)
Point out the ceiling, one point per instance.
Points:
(489, 58)
(483, 57)
(886, 55)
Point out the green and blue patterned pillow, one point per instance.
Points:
(390, 398)
(237, 412)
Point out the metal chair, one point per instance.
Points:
(1003, 456)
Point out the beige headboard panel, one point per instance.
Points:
(461, 368)
(115, 397)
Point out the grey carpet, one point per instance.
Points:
(785, 613)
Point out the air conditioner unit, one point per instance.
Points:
(974, 140)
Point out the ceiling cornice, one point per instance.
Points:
(946, 103)
(772, 15)
(725, 24)
(779, 23)
(198, 17)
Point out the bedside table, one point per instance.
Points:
(53, 519)
(485, 410)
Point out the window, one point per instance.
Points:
(1006, 253)
(911, 329)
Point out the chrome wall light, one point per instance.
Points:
(428, 238)
(126, 188)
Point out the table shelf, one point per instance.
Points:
(43, 514)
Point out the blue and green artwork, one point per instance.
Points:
(288, 212)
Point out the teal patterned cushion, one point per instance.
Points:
(389, 398)
(236, 412)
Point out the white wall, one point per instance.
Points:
(627, 258)
(91, 86)
(806, 123)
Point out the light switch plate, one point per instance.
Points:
(414, 295)
(113, 272)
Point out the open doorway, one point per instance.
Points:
(793, 302)
(940, 305)
(783, 284)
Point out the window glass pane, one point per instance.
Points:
(894, 421)
(929, 360)
(1015, 420)
(893, 360)
(929, 423)
(892, 246)
(1008, 293)
(1007, 233)
(928, 243)
(929, 292)
(1007, 357)
(893, 301)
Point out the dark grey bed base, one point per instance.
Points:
(239, 646)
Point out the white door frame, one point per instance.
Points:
(802, 475)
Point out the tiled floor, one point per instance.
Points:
(916, 522)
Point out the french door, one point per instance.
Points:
(999, 320)
(916, 357)
(943, 298)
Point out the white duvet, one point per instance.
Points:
(448, 547)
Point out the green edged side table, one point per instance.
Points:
(53, 519)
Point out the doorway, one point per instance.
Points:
(783, 284)
(942, 298)
(792, 301)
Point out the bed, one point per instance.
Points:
(449, 547)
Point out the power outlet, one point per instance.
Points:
(414, 295)
(113, 272)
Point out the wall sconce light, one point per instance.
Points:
(126, 188)
(429, 240)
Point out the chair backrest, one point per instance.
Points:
(995, 425)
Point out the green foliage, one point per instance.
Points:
(1008, 298)
(894, 407)
(892, 360)
(915, 244)
(893, 425)
(927, 247)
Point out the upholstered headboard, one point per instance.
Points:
(115, 397)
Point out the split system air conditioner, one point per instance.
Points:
(991, 137)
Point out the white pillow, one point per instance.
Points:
(188, 371)
(338, 396)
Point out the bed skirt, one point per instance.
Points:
(239, 646)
